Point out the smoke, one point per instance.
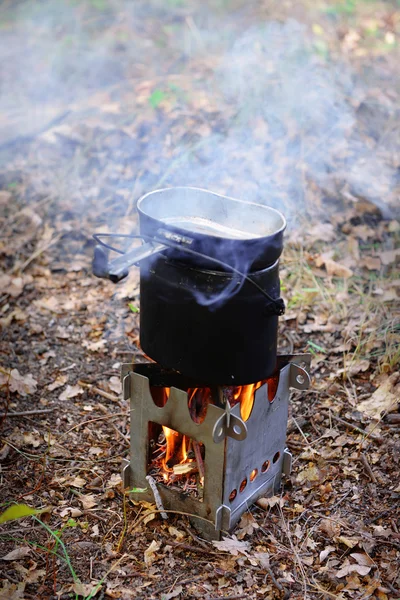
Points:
(105, 100)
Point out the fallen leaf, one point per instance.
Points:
(266, 503)
(330, 527)
(382, 400)
(311, 473)
(389, 256)
(176, 533)
(150, 552)
(17, 553)
(78, 482)
(372, 263)
(349, 542)
(335, 269)
(71, 391)
(86, 589)
(247, 525)
(30, 439)
(325, 553)
(115, 385)
(233, 546)
(114, 480)
(362, 559)
(173, 594)
(58, 382)
(88, 501)
(94, 346)
(12, 591)
(51, 304)
(22, 384)
(348, 568)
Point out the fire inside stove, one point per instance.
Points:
(177, 460)
(211, 451)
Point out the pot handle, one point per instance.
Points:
(118, 268)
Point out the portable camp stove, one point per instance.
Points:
(209, 308)
(243, 460)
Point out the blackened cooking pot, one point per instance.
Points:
(244, 235)
(235, 343)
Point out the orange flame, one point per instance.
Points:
(177, 444)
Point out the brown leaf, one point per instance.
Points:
(247, 525)
(362, 559)
(173, 594)
(382, 400)
(348, 568)
(325, 553)
(12, 591)
(330, 527)
(58, 382)
(115, 385)
(86, 589)
(335, 269)
(372, 263)
(88, 501)
(389, 256)
(18, 553)
(71, 391)
(233, 546)
(22, 384)
(31, 439)
(150, 552)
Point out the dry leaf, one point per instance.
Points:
(86, 589)
(382, 400)
(78, 482)
(176, 533)
(266, 503)
(349, 542)
(389, 256)
(17, 553)
(372, 263)
(150, 552)
(12, 591)
(51, 304)
(114, 480)
(348, 568)
(335, 269)
(115, 385)
(88, 501)
(58, 382)
(173, 594)
(31, 439)
(325, 553)
(22, 384)
(94, 346)
(71, 391)
(362, 559)
(330, 527)
(247, 525)
(312, 473)
(233, 546)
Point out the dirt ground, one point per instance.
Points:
(289, 104)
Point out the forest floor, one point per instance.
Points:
(289, 104)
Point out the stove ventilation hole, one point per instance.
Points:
(243, 485)
(253, 474)
(265, 466)
(232, 495)
(276, 457)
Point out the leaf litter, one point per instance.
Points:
(334, 530)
